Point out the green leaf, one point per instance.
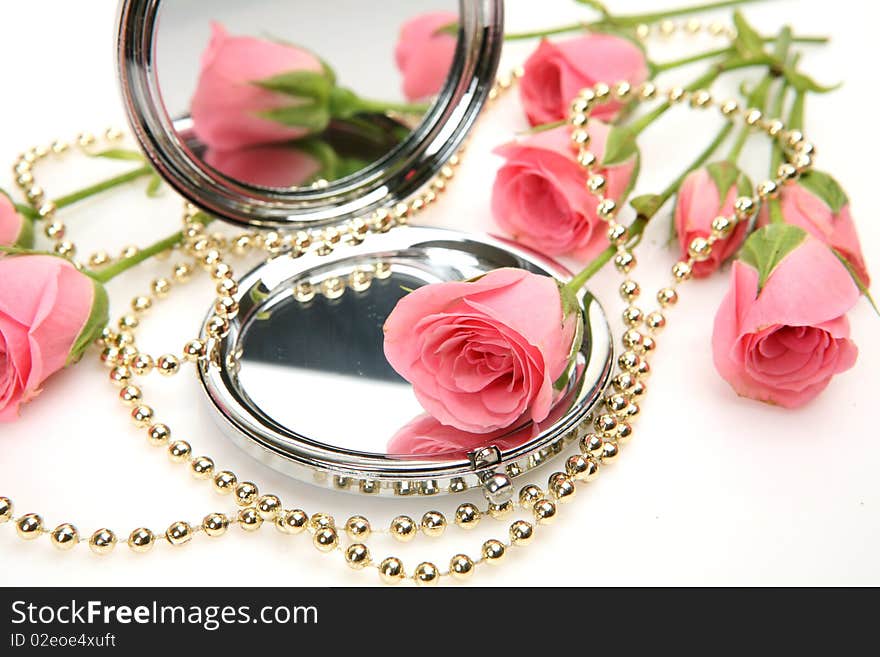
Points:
(25, 238)
(120, 154)
(620, 146)
(858, 281)
(724, 174)
(647, 205)
(767, 247)
(301, 84)
(96, 322)
(826, 188)
(155, 186)
(324, 153)
(571, 306)
(598, 6)
(451, 29)
(311, 116)
(748, 42)
(804, 83)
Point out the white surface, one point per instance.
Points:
(712, 490)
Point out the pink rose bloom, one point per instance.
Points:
(783, 341)
(481, 355)
(15, 230)
(558, 70)
(228, 108)
(700, 200)
(539, 195)
(424, 53)
(266, 166)
(426, 437)
(819, 205)
(49, 314)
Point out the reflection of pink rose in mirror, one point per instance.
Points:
(425, 437)
(425, 52)
(267, 166)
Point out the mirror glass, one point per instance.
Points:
(288, 94)
(308, 355)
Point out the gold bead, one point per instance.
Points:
(160, 287)
(667, 297)
(787, 172)
(596, 183)
(461, 567)
(616, 402)
(357, 556)
(644, 368)
(391, 570)
(768, 189)
(701, 98)
(700, 249)
(681, 271)
(618, 234)
(629, 361)
(729, 107)
(47, 209)
(580, 137)
(753, 116)
(120, 375)
(168, 365)
(225, 481)
(179, 533)
(403, 528)
(269, 506)
(130, 395)
(467, 516)
(142, 364)
(65, 537)
(29, 526)
(528, 495)
(632, 339)
(521, 533)
(249, 520)
(158, 434)
(102, 542)
(592, 444)
(624, 381)
(194, 350)
(326, 539)
(179, 451)
(655, 321)
(577, 466)
(677, 94)
(433, 524)
(545, 511)
(141, 540)
(630, 290)
(493, 551)
(625, 262)
(227, 287)
(722, 227)
(293, 521)
(606, 208)
(603, 91)
(561, 487)
(141, 304)
(632, 316)
(586, 159)
(246, 493)
(142, 415)
(226, 307)
(638, 390)
(321, 521)
(745, 208)
(622, 90)
(358, 528)
(426, 574)
(6, 509)
(217, 327)
(624, 431)
(182, 272)
(202, 467)
(500, 511)
(610, 451)
(648, 90)
(793, 138)
(631, 411)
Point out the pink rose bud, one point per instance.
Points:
(481, 355)
(704, 195)
(284, 165)
(539, 195)
(15, 230)
(819, 205)
(781, 332)
(49, 313)
(253, 91)
(558, 70)
(425, 51)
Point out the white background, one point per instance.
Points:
(712, 490)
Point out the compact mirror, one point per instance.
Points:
(321, 123)
(284, 114)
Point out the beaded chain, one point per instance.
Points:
(603, 433)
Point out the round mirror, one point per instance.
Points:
(273, 113)
(303, 380)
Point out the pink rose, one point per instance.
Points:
(539, 195)
(15, 230)
(240, 100)
(267, 166)
(49, 314)
(818, 204)
(705, 194)
(424, 53)
(481, 355)
(425, 437)
(558, 70)
(781, 332)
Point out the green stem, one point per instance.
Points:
(783, 46)
(720, 52)
(637, 227)
(796, 117)
(757, 98)
(627, 21)
(380, 107)
(102, 186)
(112, 271)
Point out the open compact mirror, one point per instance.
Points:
(321, 127)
